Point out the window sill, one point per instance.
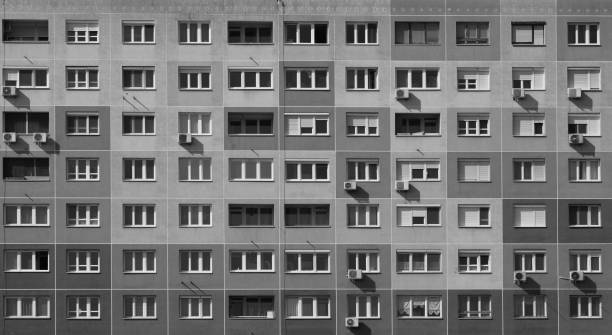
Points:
(139, 227)
(426, 135)
(460, 136)
(82, 272)
(308, 181)
(521, 45)
(521, 227)
(195, 272)
(529, 136)
(326, 89)
(306, 318)
(307, 44)
(194, 43)
(365, 227)
(475, 318)
(27, 271)
(421, 226)
(583, 45)
(361, 90)
(80, 89)
(246, 43)
(418, 89)
(529, 181)
(362, 44)
(26, 225)
(307, 272)
(476, 273)
(81, 180)
(474, 181)
(473, 44)
(25, 42)
(475, 227)
(584, 226)
(82, 43)
(477, 90)
(248, 135)
(245, 226)
(195, 89)
(26, 179)
(425, 180)
(34, 88)
(28, 317)
(308, 135)
(355, 135)
(202, 226)
(76, 134)
(418, 272)
(252, 180)
(139, 43)
(139, 181)
(586, 181)
(250, 318)
(417, 44)
(195, 318)
(196, 181)
(83, 318)
(139, 89)
(234, 271)
(251, 89)
(420, 317)
(140, 273)
(147, 318)
(310, 226)
(83, 226)
(138, 134)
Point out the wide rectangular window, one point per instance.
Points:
(359, 33)
(307, 124)
(194, 169)
(362, 216)
(194, 123)
(418, 170)
(361, 78)
(138, 169)
(193, 32)
(195, 261)
(251, 261)
(138, 216)
(246, 79)
(530, 306)
(528, 125)
(82, 78)
(366, 261)
(28, 307)
(528, 216)
(307, 171)
(419, 306)
(529, 169)
(418, 79)
(82, 215)
(82, 169)
(250, 123)
(474, 216)
(243, 32)
(82, 124)
(195, 215)
(26, 260)
(139, 307)
(306, 215)
(363, 306)
(417, 33)
(474, 306)
(16, 168)
(413, 124)
(26, 215)
(418, 261)
(251, 215)
(307, 261)
(588, 261)
(83, 261)
(362, 124)
(586, 79)
(469, 33)
(82, 32)
(477, 261)
(305, 32)
(362, 170)
(138, 32)
(195, 307)
(585, 306)
(139, 78)
(251, 307)
(473, 125)
(139, 261)
(528, 78)
(82, 307)
(308, 307)
(530, 261)
(584, 170)
(472, 79)
(474, 170)
(528, 33)
(26, 122)
(250, 169)
(584, 215)
(583, 33)
(307, 79)
(25, 30)
(27, 78)
(418, 216)
(194, 78)
(584, 124)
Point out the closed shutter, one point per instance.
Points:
(11, 77)
(538, 34)
(469, 216)
(356, 121)
(594, 80)
(403, 171)
(373, 121)
(579, 79)
(529, 216)
(538, 78)
(293, 124)
(539, 170)
(404, 215)
(306, 122)
(484, 171)
(483, 80)
(522, 33)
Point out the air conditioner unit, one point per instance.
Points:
(270, 314)
(402, 93)
(350, 185)
(40, 137)
(184, 138)
(574, 93)
(518, 93)
(520, 276)
(402, 185)
(576, 139)
(351, 322)
(575, 276)
(354, 274)
(9, 91)
(9, 137)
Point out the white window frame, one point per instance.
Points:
(354, 73)
(411, 255)
(587, 178)
(368, 209)
(301, 119)
(19, 208)
(14, 74)
(591, 257)
(419, 165)
(312, 71)
(90, 217)
(409, 74)
(405, 311)
(299, 309)
(87, 117)
(201, 27)
(85, 307)
(531, 120)
(143, 259)
(372, 260)
(474, 262)
(465, 129)
(524, 300)
(370, 120)
(259, 268)
(464, 208)
(592, 123)
(370, 300)
(533, 72)
(87, 83)
(199, 73)
(587, 33)
(258, 84)
(19, 257)
(417, 211)
(135, 71)
(481, 165)
(258, 161)
(531, 166)
(88, 174)
(137, 25)
(590, 208)
(354, 26)
(201, 164)
(313, 253)
(86, 261)
(483, 310)
(473, 79)
(131, 162)
(88, 29)
(145, 300)
(202, 257)
(533, 210)
(33, 301)
(195, 307)
(590, 72)
(144, 209)
(202, 215)
(313, 168)
(198, 121)
(530, 256)
(299, 25)
(533, 26)
(366, 165)
(594, 310)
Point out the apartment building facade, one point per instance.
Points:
(334, 167)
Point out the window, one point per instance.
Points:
(363, 306)
(411, 124)
(474, 170)
(250, 79)
(306, 79)
(135, 216)
(530, 261)
(305, 33)
(588, 261)
(195, 261)
(530, 306)
(418, 170)
(474, 216)
(26, 215)
(307, 307)
(418, 216)
(362, 170)
(472, 79)
(307, 171)
(29, 307)
(249, 32)
(528, 78)
(306, 215)
(250, 123)
(26, 261)
(529, 170)
(587, 79)
(361, 33)
(82, 169)
(585, 124)
(528, 33)
(419, 306)
(27, 78)
(366, 261)
(194, 123)
(529, 216)
(138, 32)
(418, 261)
(139, 261)
(25, 30)
(16, 168)
(585, 306)
(194, 169)
(358, 124)
(82, 124)
(26, 122)
(583, 33)
(138, 78)
(83, 78)
(362, 78)
(83, 307)
(584, 215)
(83, 261)
(469, 33)
(474, 306)
(248, 169)
(307, 124)
(474, 261)
(528, 125)
(362, 216)
(307, 261)
(194, 215)
(139, 307)
(194, 78)
(417, 33)
(251, 215)
(584, 170)
(473, 125)
(418, 79)
(192, 32)
(82, 32)
(251, 307)
(195, 307)
(83, 215)
(252, 261)
(138, 169)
